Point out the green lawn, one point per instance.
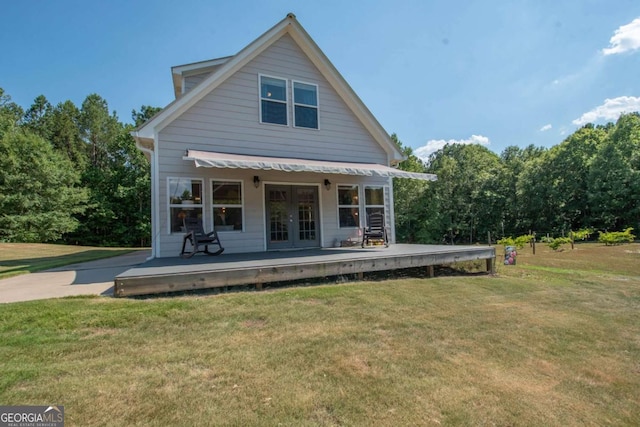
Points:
(22, 258)
(554, 340)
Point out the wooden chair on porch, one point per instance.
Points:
(198, 238)
(375, 229)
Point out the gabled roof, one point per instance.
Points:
(180, 71)
(226, 67)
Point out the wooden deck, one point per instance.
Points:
(201, 272)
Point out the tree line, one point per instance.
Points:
(589, 180)
(72, 174)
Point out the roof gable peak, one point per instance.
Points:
(228, 66)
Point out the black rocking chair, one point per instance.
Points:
(198, 238)
(375, 229)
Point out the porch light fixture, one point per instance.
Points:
(256, 181)
(327, 184)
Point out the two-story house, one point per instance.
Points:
(271, 147)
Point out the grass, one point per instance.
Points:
(23, 258)
(554, 340)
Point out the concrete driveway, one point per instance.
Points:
(87, 278)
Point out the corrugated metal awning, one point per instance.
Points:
(210, 159)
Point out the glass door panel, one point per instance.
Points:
(292, 217)
(306, 203)
(278, 217)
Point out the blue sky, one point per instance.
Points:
(498, 73)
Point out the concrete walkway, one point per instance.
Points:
(87, 278)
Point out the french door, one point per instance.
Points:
(292, 216)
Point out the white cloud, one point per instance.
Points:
(546, 127)
(610, 110)
(626, 38)
(435, 144)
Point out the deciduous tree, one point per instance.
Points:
(10, 113)
(39, 190)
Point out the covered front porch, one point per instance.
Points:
(163, 275)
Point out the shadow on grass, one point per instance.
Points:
(32, 265)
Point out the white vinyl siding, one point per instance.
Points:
(189, 82)
(227, 120)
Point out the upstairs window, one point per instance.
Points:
(305, 105)
(273, 100)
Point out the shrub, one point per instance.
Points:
(616, 237)
(557, 242)
(507, 241)
(518, 242)
(523, 240)
(582, 234)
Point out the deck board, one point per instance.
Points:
(176, 274)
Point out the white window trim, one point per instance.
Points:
(242, 205)
(383, 205)
(173, 205)
(294, 103)
(260, 99)
(359, 206)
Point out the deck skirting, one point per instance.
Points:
(175, 274)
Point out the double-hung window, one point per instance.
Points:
(185, 201)
(227, 206)
(305, 105)
(275, 106)
(348, 206)
(273, 100)
(373, 200)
